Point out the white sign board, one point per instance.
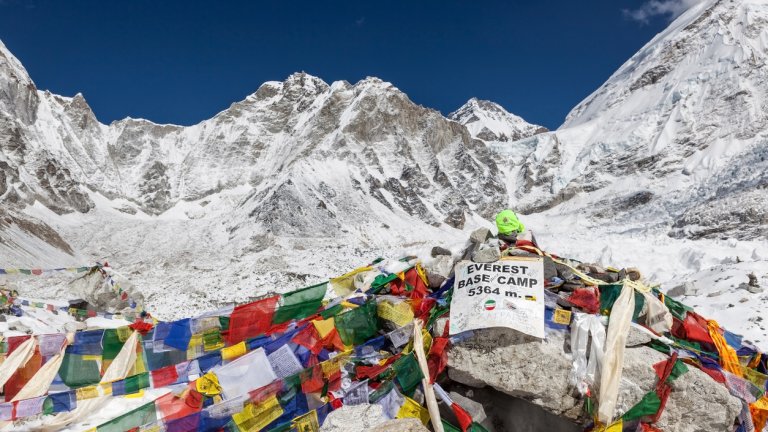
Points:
(507, 293)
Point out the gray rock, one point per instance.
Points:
(439, 251)
(637, 337)
(538, 371)
(686, 289)
(367, 418)
(486, 254)
(441, 265)
(480, 235)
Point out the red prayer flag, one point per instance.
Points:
(173, 407)
(14, 342)
(312, 380)
(696, 330)
(437, 359)
(420, 287)
(164, 376)
(463, 417)
(22, 375)
(309, 339)
(263, 393)
(251, 320)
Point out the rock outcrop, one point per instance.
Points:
(538, 371)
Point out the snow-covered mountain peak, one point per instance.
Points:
(490, 122)
(678, 131)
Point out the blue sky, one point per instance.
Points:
(183, 61)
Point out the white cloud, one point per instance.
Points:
(668, 8)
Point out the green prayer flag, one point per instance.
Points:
(381, 281)
(447, 427)
(677, 309)
(384, 388)
(111, 344)
(408, 373)
(477, 427)
(77, 372)
(136, 382)
(300, 304)
(358, 325)
(332, 311)
(610, 293)
(647, 406)
(678, 369)
(224, 322)
(142, 415)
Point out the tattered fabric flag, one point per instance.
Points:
(251, 320)
(22, 375)
(300, 304)
(357, 325)
(164, 376)
(247, 373)
(412, 409)
(759, 412)
(728, 358)
(648, 406)
(62, 402)
(307, 422)
(179, 335)
(416, 282)
(79, 370)
(345, 284)
(256, 417)
(174, 407)
(678, 369)
(408, 373)
(142, 415)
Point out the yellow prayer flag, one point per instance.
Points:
(208, 384)
(412, 409)
(617, 426)
(345, 284)
(401, 314)
(137, 395)
(233, 351)
(195, 348)
(562, 316)
(256, 417)
(307, 422)
(325, 326)
(89, 392)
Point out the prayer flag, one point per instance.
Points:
(251, 320)
(300, 304)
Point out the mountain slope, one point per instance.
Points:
(329, 173)
(677, 136)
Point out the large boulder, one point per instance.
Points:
(538, 371)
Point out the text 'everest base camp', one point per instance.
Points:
(395, 288)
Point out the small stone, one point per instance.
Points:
(480, 235)
(634, 274)
(487, 254)
(685, 289)
(439, 251)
